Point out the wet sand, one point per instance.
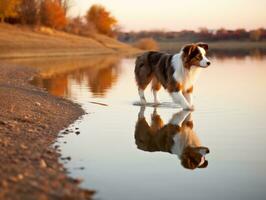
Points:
(30, 120)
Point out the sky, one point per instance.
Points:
(175, 15)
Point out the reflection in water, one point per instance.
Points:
(101, 80)
(256, 54)
(176, 137)
(57, 86)
(99, 76)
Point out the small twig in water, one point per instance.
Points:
(101, 104)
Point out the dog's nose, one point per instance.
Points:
(208, 63)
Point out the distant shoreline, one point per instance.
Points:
(217, 46)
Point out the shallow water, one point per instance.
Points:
(229, 119)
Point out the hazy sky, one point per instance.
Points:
(181, 14)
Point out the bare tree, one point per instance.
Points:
(65, 4)
(28, 11)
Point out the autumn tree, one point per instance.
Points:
(146, 44)
(52, 14)
(255, 35)
(28, 11)
(102, 19)
(8, 8)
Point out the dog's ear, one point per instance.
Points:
(205, 46)
(188, 49)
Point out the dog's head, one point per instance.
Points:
(195, 55)
(194, 157)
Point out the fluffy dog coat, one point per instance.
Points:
(175, 72)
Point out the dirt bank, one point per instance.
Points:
(30, 120)
(28, 42)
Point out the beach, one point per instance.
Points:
(30, 121)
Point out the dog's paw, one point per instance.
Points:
(143, 102)
(156, 103)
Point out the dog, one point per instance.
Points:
(175, 72)
(176, 137)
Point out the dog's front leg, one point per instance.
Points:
(189, 98)
(180, 117)
(141, 112)
(188, 94)
(179, 98)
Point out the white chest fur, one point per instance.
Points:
(182, 75)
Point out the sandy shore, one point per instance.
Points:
(30, 120)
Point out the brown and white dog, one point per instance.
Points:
(176, 137)
(175, 72)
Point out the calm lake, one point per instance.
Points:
(118, 159)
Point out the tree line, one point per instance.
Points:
(203, 34)
(53, 14)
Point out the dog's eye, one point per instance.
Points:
(198, 57)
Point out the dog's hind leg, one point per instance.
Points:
(156, 121)
(142, 86)
(155, 88)
(142, 96)
(143, 75)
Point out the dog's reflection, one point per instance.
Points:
(176, 137)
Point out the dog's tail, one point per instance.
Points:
(142, 60)
(147, 60)
(143, 70)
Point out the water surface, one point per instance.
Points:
(119, 161)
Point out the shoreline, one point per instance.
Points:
(222, 46)
(61, 54)
(30, 121)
